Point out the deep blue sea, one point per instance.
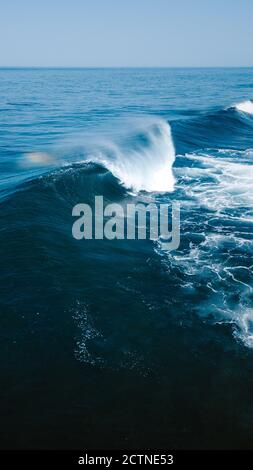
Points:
(119, 343)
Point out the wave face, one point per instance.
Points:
(87, 317)
(225, 128)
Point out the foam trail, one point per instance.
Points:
(142, 166)
(215, 255)
(245, 324)
(245, 107)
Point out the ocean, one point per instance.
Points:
(119, 343)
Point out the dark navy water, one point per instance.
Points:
(120, 344)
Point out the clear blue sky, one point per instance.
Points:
(126, 33)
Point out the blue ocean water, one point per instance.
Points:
(120, 343)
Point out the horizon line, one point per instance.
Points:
(124, 66)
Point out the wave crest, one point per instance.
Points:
(245, 107)
(143, 161)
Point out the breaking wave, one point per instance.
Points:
(140, 154)
(245, 107)
(145, 164)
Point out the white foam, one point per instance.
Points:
(229, 184)
(217, 261)
(143, 166)
(244, 323)
(245, 107)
